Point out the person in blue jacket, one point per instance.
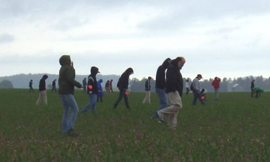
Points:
(100, 91)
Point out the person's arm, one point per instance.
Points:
(70, 78)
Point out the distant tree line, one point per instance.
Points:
(241, 84)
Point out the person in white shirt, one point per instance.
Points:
(187, 87)
(196, 90)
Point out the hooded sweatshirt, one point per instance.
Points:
(174, 80)
(100, 89)
(66, 79)
(123, 80)
(42, 83)
(160, 77)
(92, 81)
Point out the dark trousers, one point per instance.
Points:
(188, 90)
(196, 97)
(100, 98)
(31, 89)
(54, 89)
(121, 95)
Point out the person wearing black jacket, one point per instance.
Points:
(54, 89)
(147, 91)
(42, 91)
(123, 86)
(31, 86)
(174, 90)
(160, 86)
(92, 90)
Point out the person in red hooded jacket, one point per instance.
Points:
(216, 86)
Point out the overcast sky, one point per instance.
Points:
(218, 37)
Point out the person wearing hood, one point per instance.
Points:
(147, 97)
(123, 86)
(54, 89)
(42, 91)
(67, 83)
(160, 86)
(100, 91)
(174, 90)
(31, 86)
(92, 90)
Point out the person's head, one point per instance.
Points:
(45, 77)
(65, 60)
(179, 62)
(166, 63)
(100, 80)
(31, 80)
(149, 78)
(94, 70)
(199, 77)
(111, 80)
(129, 71)
(187, 80)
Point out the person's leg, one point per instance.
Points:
(126, 101)
(216, 93)
(45, 99)
(65, 124)
(163, 101)
(101, 98)
(74, 107)
(88, 105)
(144, 100)
(149, 97)
(39, 98)
(170, 113)
(195, 97)
(121, 95)
(94, 102)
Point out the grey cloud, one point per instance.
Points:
(6, 38)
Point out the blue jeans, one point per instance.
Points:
(92, 103)
(216, 93)
(163, 101)
(69, 118)
(196, 97)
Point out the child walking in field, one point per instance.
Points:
(66, 92)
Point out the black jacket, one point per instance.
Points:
(92, 81)
(147, 85)
(123, 80)
(160, 76)
(252, 85)
(42, 83)
(174, 80)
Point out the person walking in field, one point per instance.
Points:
(216, 86)
(84, 85)
(147, 97)
(174, 90)
(196, 89)
(54, 89)
(92, 90)
(161, 85)
(123, 86)
(31, 86)
(187, 87)
(100, 91)
(111, 86)
(252, 87)
(67, 83)
(107, 86)
(42, 91)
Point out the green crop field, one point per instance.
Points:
(234, 129)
